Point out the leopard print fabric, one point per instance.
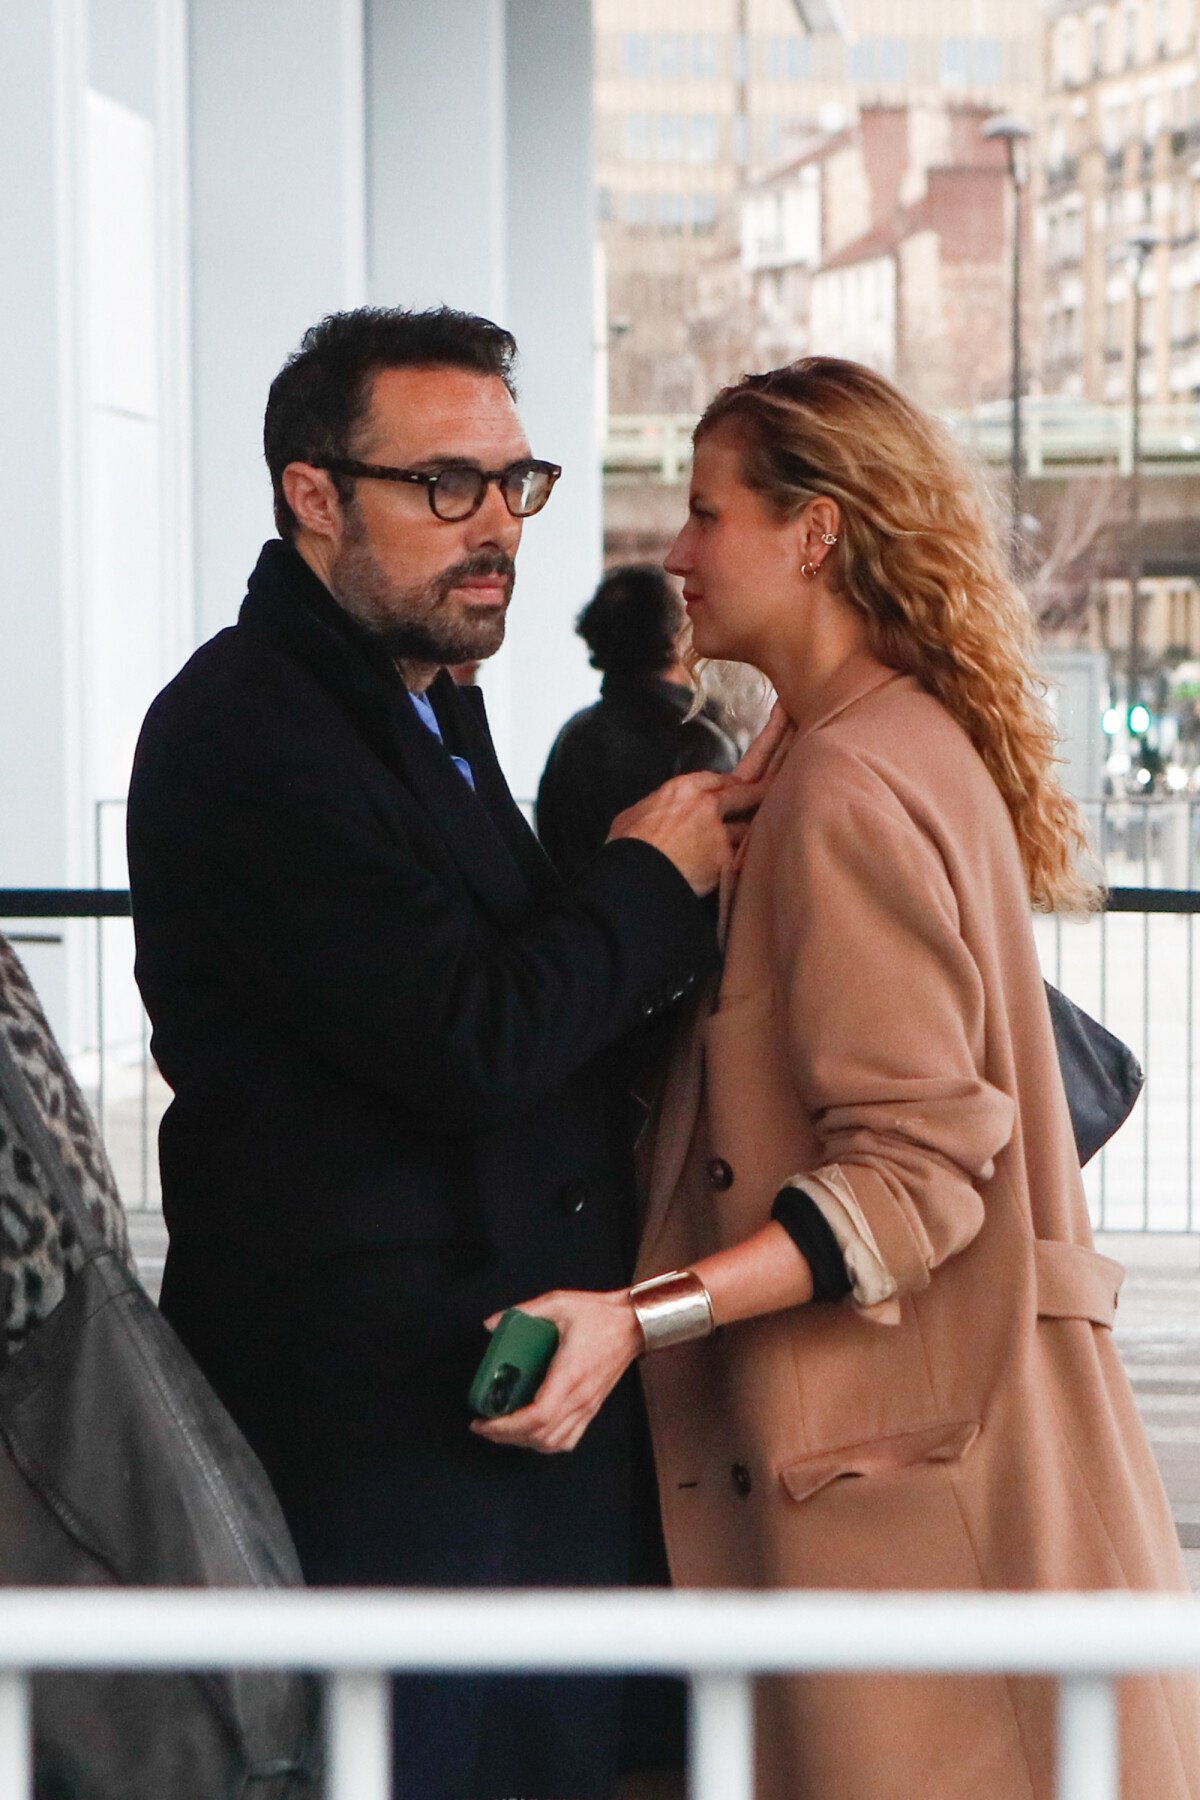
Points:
(39, 1249)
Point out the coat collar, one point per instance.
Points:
(287, 603)
(858, 676)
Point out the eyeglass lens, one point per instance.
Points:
(458, 490)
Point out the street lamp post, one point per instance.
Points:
(1140, 247)
(1014, 133)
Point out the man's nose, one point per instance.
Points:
(493, 523)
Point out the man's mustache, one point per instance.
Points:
(485, 562)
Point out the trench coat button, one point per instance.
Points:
(742, 1482)
(720, 1175)
(572, 1198)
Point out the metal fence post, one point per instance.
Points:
(721, 1742)
(16, 1763)
(358, 1736)
(1088, 1763)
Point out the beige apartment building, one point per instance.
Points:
(695, 97)
(1118, 159)
(1119, 155)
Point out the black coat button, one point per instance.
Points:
(720, 1175)
(573, 1197)
(742, 1483)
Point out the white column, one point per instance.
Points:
(42, 75)
(481, 198)
(436, 129)
(551, 309)
(278, 240)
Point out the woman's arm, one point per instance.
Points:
(600, 1336)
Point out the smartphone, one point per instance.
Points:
(514, 1364)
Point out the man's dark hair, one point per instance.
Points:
(321, 395)
(632, 621)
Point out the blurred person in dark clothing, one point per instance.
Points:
(638, 734)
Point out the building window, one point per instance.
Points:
(639, 210)
(1131, 25)
(893, 61)
(704, 55)
(1068, 69)
(670, 55)
(1099, 28)
(636, 49)
(637, 137)
(787, 58)
(972, 62)
(799, 58)
(671, 137)
(702, 138)
(704, 212)
(672, 211)
(862, 61)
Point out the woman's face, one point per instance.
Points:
(739, 563)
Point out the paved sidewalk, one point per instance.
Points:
(1158, 1332)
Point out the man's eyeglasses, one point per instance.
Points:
(457, 489)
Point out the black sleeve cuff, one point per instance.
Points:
(809, 1230)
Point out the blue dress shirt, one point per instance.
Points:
(428, 717)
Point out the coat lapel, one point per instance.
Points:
(462, 711)
(288, 603)
(674, 1122)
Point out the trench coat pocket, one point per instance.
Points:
(879, 1456)
(1074, 1282)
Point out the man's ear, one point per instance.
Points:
(313, 498)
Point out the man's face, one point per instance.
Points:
(435, 591)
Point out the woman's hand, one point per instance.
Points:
(599, 1337)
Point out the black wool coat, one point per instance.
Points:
(392, 1035)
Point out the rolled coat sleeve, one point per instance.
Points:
(885, 1016)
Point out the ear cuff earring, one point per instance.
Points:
(811, 569)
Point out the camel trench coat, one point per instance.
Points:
(882, 1010)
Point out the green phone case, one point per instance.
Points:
(513, 1365)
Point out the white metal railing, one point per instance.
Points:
(1061, 434)
(719, 1641)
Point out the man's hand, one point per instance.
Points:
(694, 821)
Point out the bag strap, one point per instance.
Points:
(39, 1141)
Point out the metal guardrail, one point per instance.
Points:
(1134, 967)
(718, 1641)
(1056, 435)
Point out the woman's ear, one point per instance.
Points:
(825, 521)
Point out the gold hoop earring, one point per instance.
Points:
(809, 569)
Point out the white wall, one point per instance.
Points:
(481, 197)
(277, 186)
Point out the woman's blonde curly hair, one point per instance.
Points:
(919, 555)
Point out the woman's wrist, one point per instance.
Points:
(674, 1308)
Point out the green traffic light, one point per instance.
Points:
(1139, 719)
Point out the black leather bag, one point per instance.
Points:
(119, 1467)
(1102, 1076)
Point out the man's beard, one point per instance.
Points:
(413, 623)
